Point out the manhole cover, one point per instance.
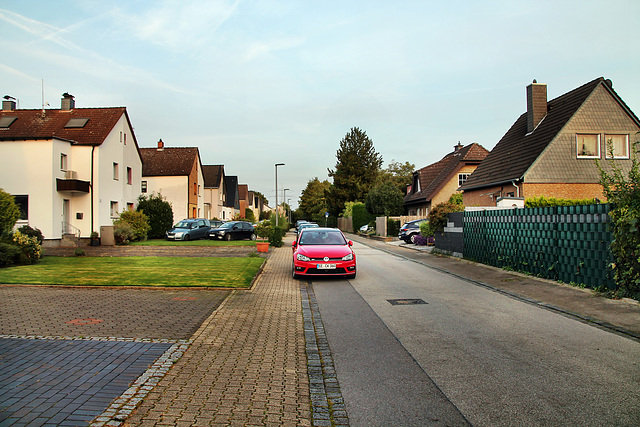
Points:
(406, 301)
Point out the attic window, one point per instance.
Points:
(6, 121)
(76, 123)
(588, 146)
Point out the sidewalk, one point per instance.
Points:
(247, 364)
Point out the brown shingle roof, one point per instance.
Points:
(516, 151)
(32, 124)
(174, 161)
(433, 176)
(212, 175)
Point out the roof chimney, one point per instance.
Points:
(457, 146)
(9, 104)
(68, 103)
(536, 104)
(160, 145)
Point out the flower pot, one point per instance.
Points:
(95, 242)
(262, 246)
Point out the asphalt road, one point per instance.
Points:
(450, 352)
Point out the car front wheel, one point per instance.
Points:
(187, 237)
(413, 238)
(253, 236)
(227, 237)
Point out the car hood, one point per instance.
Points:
(319, 251)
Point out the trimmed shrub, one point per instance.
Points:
(9, 212)
(360, 215)
(32, 232)
(123, 233)
(393, 227)
(159, 214)
(544, 202)
(139, 223)
(29, 247)
(9, 255)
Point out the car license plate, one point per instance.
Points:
(326, 266)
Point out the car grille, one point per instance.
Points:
(322, 259)
(334, 271)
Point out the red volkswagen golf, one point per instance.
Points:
(323, 252)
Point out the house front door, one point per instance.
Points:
(65, 216)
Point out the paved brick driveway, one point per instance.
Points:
(67, 353)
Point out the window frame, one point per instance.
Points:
(143, 186)
(129, 175)
(114, 212)
(462, 181)
(598, 144)
(116, 172)
(64, 165)
(606, 147)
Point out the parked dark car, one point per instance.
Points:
(189, 229)
(410, 229)
(306, 225)
(215, 223)
(233, 230)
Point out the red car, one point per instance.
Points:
(323, 252)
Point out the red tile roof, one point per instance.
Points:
(433, 176)
(174, 161)
(33, 124)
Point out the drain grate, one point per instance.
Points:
(406, 301)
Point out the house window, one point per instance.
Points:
(125, 139)
(129, 176)
(588, 146)
(115, 171)
(198, 190)
(462, 177)
(195, 189)
(23, 205)
(114, 209)
(143, 186)
(129, 206)
(616, 145)
(63, 162)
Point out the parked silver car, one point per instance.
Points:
(189, 229)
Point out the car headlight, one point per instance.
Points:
(301, 257)
(348, 257)
(179, 234)
(222, 233)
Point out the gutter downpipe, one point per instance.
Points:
(517, 188)
(91, 187)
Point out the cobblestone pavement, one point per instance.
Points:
(247, 364)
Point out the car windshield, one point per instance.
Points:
(228, 225)
(322, 237)
(183, 224)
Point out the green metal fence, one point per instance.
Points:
(566, 243)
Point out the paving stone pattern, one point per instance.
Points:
(168, 313)
(66, 382)
(247, 364)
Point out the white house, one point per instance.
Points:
(176, 174)
(71, 170)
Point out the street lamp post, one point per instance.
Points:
(284, 197)
(277, 164)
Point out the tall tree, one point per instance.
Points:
(312, 200)
(356, 170)
(385, 199)
(400, 174)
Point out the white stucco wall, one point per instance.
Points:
(32, 167)
(173, 190)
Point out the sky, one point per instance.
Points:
(255, 83)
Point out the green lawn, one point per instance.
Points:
(235, 272)
(203, 242)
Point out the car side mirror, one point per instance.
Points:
(350, 243)
(294, 244)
